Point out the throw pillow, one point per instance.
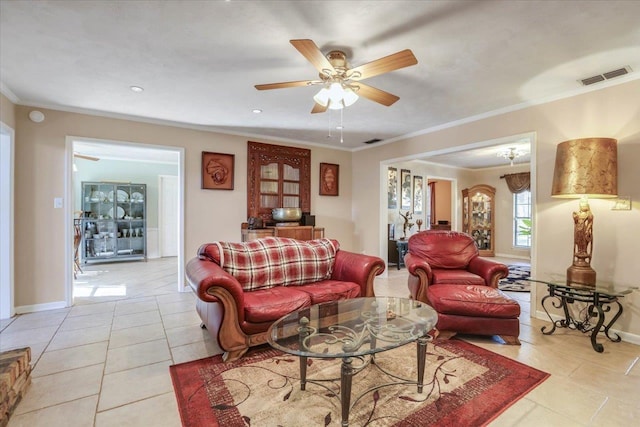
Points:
(277, 261)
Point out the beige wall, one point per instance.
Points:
(354, 217)
(611, 112)
(209, 215)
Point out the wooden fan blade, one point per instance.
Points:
(309, 50)
(282, 85)
(398, 60)
(84, 156)
(317, 108)
(376, 95)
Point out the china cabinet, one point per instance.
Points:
(478, 204)
(278, 177)
(114, 225)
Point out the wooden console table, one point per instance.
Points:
(599, 299)
(299, 232)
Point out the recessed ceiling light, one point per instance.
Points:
(136, 89)
(257, 110)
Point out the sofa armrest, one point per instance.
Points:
(415, 263)
(490, 271)
(204, 275)
(420, 276)
(357, 268)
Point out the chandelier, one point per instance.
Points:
(510, 154)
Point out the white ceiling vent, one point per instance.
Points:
(605, 76)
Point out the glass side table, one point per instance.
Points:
(600, 299)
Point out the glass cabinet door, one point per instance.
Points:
(477, 217)
(290, 187)
(113, 221)
(269, 180)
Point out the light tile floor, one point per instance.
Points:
(104, 361)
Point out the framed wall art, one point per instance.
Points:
(329, 179)
(405, 179)
(217, 171)
(417, 195)
(392, 188)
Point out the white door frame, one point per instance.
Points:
(68, 206)
(161, 218)
(7, 160)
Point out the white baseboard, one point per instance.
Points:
(626, 336)
(40, 307)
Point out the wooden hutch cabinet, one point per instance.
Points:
(278, 177)
(478, 205)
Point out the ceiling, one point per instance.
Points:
(198, 61)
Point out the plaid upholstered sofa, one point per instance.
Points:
(242, 288)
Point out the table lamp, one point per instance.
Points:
(585, 168)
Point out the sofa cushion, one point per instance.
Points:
(276, 261)
(269, 305)
(455, 277)
(330, 290)
(472, 300)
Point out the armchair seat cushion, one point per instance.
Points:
(269, 305)
(456, 277)
(330, 290)
(473, 301)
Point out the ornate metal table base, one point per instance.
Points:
(348, 371)
(354, 331)
(598, 304)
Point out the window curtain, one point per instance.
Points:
(518, 182)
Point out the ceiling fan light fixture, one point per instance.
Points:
(350, 97)
(336, 92)
(335, 96)
(335, 105)
(322, 97)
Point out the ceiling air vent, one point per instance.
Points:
(373, 141)
(606, 76)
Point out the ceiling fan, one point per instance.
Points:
(342, 85)
(86, 157)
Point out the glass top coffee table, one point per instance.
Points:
(355, 329)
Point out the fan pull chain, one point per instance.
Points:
(341, 125)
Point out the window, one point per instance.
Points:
(522, 219)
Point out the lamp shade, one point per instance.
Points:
(586, 167)
(322, 97)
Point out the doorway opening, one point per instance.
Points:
(6, 221)
(116, 161)
(463, 166)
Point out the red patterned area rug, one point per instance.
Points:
(465, 385)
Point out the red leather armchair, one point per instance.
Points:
(446, 272)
